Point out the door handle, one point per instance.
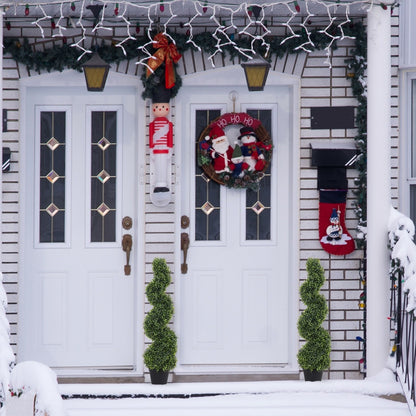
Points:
(127, 244)
(184, 248)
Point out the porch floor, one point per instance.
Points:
(378, 396)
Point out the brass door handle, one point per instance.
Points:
(184, 248)
(127, 244)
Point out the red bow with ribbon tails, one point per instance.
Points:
(167, 53)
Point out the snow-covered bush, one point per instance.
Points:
(35, 377)
(403, 254)
(6, 352)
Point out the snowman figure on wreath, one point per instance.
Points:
(251, 149)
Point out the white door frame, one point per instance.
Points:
(229, 77)
(71, 78)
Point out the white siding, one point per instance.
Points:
(320, 86)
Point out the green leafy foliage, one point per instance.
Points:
(161, 354)
(314, 355)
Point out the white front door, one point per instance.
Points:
(234, 299)
(77, 304)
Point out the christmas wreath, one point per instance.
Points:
(235, 150)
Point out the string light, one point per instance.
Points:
(225, 18)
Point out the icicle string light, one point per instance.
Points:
(224, 18)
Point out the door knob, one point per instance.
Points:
(184, 248)
(127, 244)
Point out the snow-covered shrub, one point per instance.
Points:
(403, 254)
(6, 352)
(35, 377)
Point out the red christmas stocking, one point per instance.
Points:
(333, 233)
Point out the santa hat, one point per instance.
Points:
(216, 132)
(246, 131)
(236, 152)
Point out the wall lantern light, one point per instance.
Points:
(256, 71)
(95, 71)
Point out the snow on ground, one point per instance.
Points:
(277, 398)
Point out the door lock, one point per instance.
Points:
(127, 244)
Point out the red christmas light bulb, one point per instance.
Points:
(53, 25)
(297, 7)
(383, 6)
(205, 8)
(116, 9)
(8, 25)
(137, 27)
(27, 10)
(73, 6)
(162, 7)
(250, 11)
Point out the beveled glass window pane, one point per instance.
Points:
(258, 204)
(103, 176)
(52, 180)
(207, 192)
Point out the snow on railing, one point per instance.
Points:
(38, 379)
(403, 301)
(403, 253)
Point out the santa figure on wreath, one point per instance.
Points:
(251, 149)
(221, 151)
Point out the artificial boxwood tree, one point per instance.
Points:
(161, 354)
(314, 355)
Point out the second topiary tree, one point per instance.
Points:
(314, 356)
(160, 356)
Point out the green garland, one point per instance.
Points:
(64, 56)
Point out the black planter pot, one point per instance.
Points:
(313, 375)
(159, 377)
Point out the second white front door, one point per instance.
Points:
(234, 299)
(77, 300)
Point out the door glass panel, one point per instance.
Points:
(207, 192)
(103, 175)
(52, 177)
(258, 203)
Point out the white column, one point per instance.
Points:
(378, 186)
(1, 118)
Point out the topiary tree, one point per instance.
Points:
(161, 354)
(314, 355)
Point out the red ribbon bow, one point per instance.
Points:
(167, 53)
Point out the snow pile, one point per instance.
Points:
(6, 352)
(39, 379)
(403, 253)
